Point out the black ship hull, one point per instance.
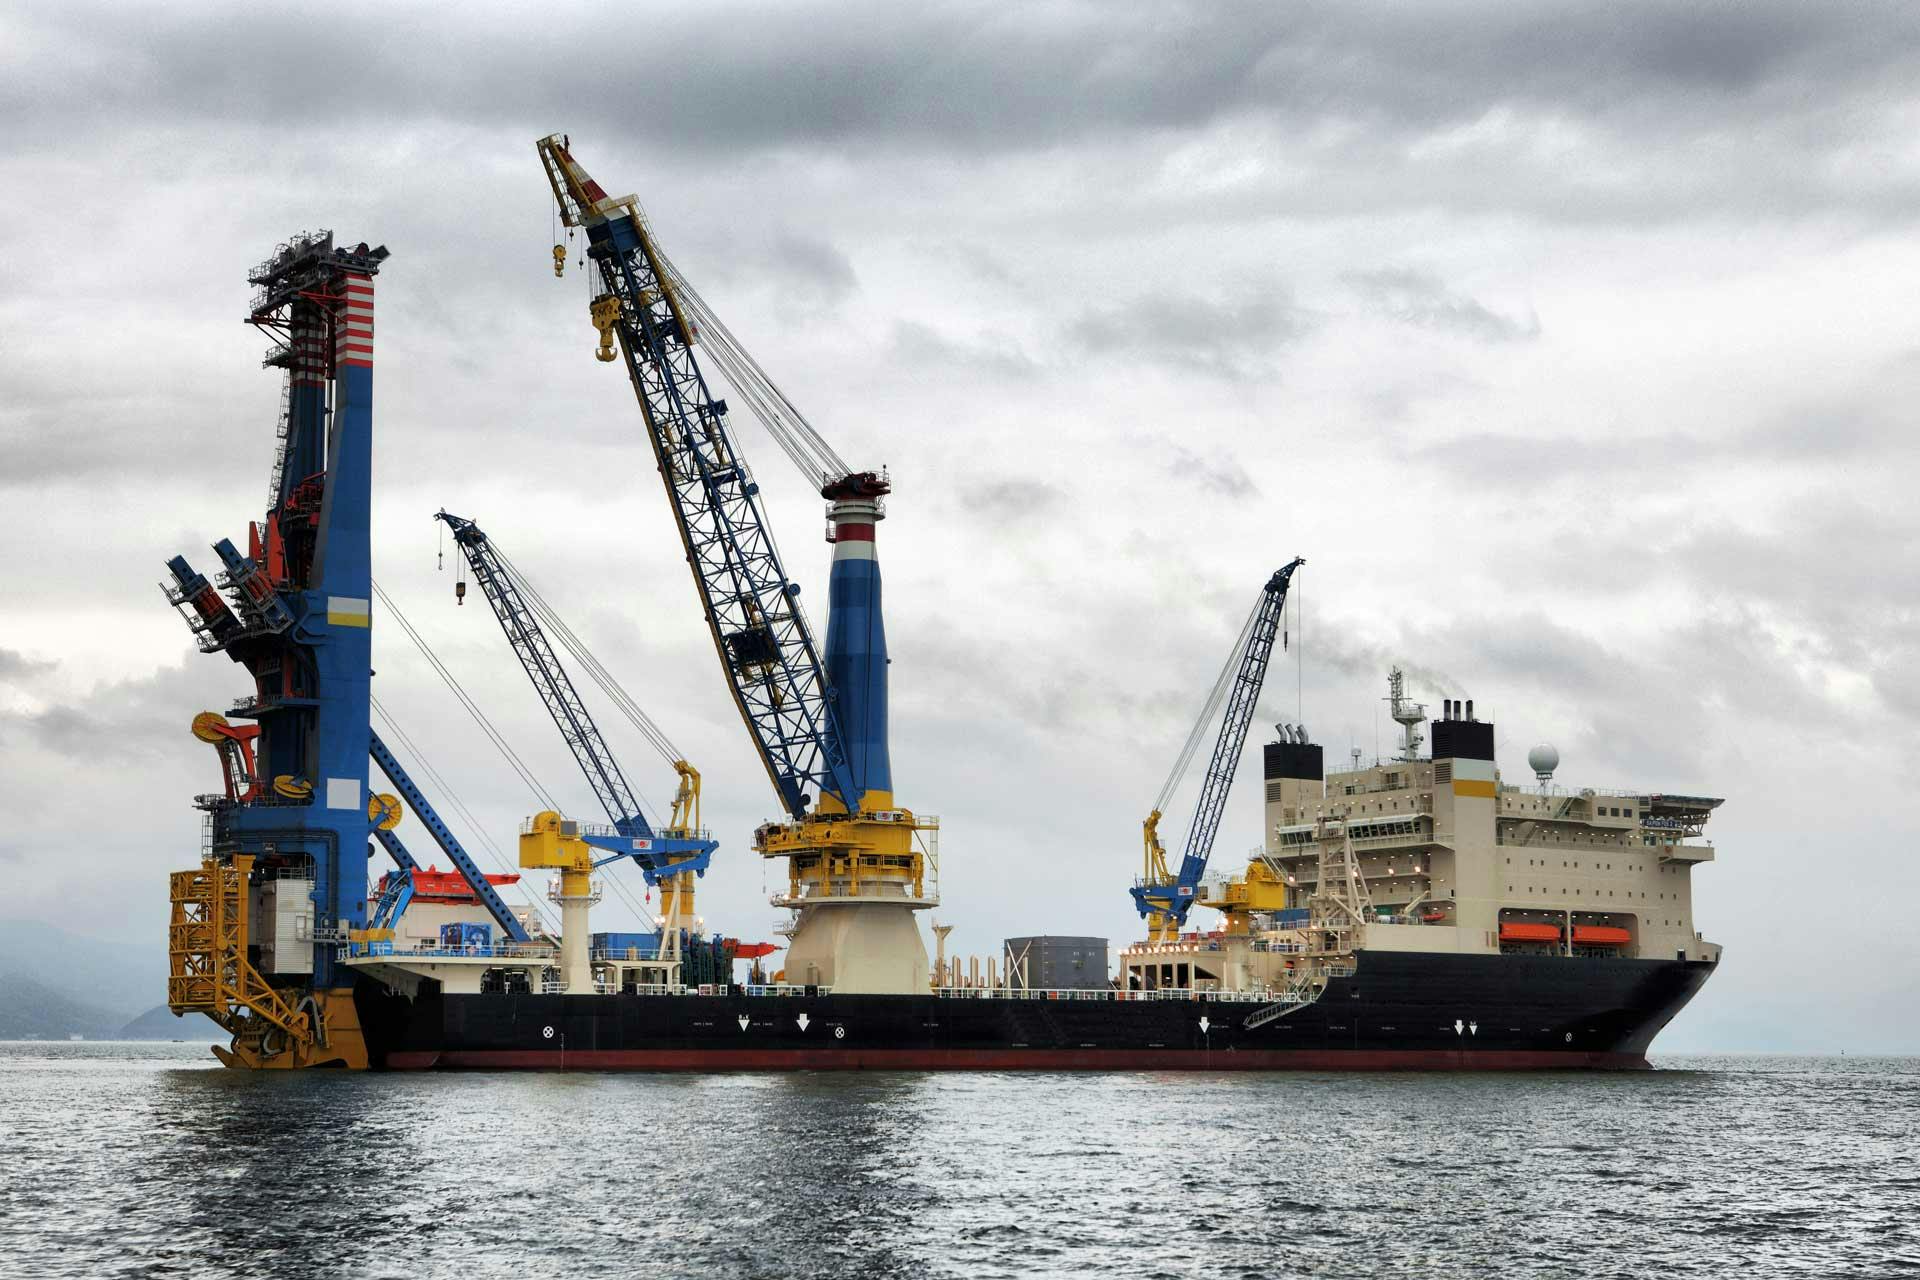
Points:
(1399, 1010)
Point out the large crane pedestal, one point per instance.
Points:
(856, 882)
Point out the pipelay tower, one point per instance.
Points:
(286, 842)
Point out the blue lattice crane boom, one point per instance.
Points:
(1162, 897)
(765, 645)
(550, 679)
(676, 853)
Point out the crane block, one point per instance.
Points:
(606, 313)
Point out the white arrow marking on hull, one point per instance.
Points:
(802, 1020)
(743, 1022)
(1459, 1027)
(1204, 1024)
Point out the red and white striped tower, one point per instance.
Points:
(353, 324)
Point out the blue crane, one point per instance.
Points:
(443, 836)
(675, 851)
(1163, 898)
(772, 665)
(817, 715)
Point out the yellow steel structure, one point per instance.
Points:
(1161, 926)
(835, 854)
(683, 824)
(549, 842)
(1259, 888)
(209, 973)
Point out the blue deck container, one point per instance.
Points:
(465, 936)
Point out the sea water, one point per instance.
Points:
(148, 1160)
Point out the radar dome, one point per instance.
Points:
(1543, 760)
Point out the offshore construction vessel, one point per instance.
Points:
(1420, 912)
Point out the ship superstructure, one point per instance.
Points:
(1441, 854)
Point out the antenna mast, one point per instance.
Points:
(1408, 713)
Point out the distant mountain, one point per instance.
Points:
(30, 1010)
(158, 1023)
(121, 979)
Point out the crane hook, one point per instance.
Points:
(605, 312)
(559, 260)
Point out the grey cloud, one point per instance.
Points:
(1698, 102)
(126, 721)
(72, 732)
(1680, 593)
(1006, 499)
(17, 667)
(1511, 460)
(967, 76)
(1218, 474)
(1237, 338)
(992, 353)
(801, 271)
(1421, 299)
(1871, 420)
(1340, 645)
(1866, 425)
(825, 271)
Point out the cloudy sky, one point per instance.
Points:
(1572, 346)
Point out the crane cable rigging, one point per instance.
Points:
(519, 766)
(1207, 713)
(797, 437)
(623, 701)
(541, 795)
(420, 761)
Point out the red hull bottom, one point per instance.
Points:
(1008, 1060)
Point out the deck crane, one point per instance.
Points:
(1163, 898)
(857, 862)
(670, 858)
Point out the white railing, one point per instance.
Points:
(498, 951)
(1100, 993)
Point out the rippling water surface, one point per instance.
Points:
(142, 1160)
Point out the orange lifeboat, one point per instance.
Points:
(1600, 935)
(1519, 931)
